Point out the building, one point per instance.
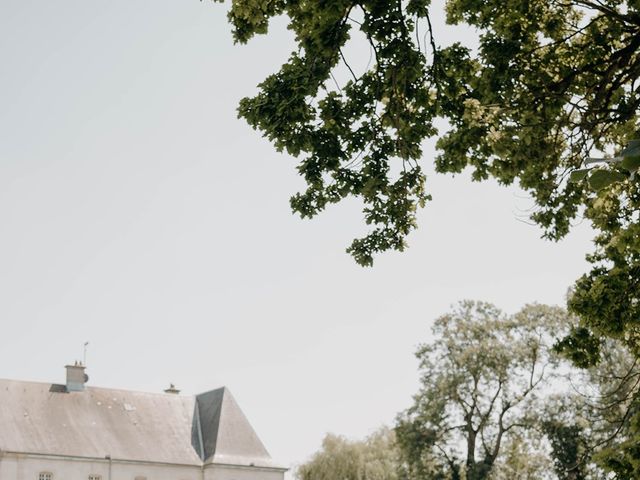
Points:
(76, 432)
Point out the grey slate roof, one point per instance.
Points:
(208, 428)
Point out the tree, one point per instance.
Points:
(550, 81)
(374, 458)
(565, 426)
(609, 412)
(482, 379)
(524, 457)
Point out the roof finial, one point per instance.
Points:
(172, 389)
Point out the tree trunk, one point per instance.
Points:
(471, 455)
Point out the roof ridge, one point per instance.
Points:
(224, 391)
(91, 387)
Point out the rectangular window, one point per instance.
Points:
(95, 477)
(45, 476)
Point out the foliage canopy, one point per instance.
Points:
(549, 82)
(496, 403)
(483, 375)
(374, 458)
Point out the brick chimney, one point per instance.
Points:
(76, 378)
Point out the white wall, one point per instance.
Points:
(28, 467)
(219, 472)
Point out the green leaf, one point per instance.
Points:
(600, 178)
(578, 175)
(632, 149)
(631, 163)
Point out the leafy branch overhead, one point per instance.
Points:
(359, 139)
(550, 81)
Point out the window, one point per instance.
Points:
(45, 476)
(140, 477)
(95, 477)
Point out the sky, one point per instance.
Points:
(138, 213)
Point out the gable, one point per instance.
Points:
(227, 435)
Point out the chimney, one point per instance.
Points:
(76, 378)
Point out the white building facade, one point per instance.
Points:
(74, 432)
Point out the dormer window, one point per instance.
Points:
(45, 476)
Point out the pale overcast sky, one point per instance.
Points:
(140, 214)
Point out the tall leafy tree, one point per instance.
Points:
(496, 402)
(482, 380)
